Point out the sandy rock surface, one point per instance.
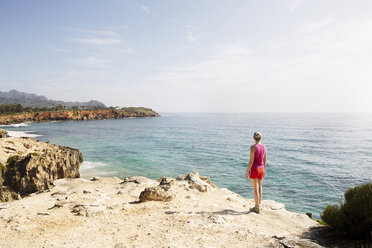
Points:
(107, 212)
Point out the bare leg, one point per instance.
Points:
(255, 191)
(259, 181)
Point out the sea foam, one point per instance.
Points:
(26, 124)
(18, 134)
(87, 165)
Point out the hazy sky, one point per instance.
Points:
(192, 55)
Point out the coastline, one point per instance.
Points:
(136, 211)
(63, 210)
(20, 118)
(172, 145)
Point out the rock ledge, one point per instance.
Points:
(28, 166)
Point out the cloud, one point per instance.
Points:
(294, 4)
(144, 8)
(92, 62)
(189, 26)
(101, 32)
(324, 71)
(106, 40)
(317, 25)
(99, 41)
(106, 32)
(98, 37)
(320, 67)
(191, 37)
(123, 50)
(58, 49)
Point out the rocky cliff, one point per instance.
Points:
(28, 166)
(77, 115)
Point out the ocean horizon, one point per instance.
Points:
(312, 157)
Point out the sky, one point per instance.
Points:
(192, 55)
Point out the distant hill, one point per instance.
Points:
(33, 100)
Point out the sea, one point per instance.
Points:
(312, 158)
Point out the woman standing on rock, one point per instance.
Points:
(256, 169)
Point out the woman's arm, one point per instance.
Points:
(265, 159)
(251, 159)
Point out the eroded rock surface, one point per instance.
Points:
(28, 166)
(195, 181)
(3, 133)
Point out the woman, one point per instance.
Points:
(256, 169)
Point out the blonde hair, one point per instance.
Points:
(257, 136)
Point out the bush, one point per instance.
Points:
(333, 216)
(354, 216)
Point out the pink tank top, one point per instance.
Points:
(259, 156)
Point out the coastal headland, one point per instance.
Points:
(77, 114)
(58, 209)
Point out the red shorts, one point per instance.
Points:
(257, 173)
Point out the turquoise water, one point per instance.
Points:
(312, 158)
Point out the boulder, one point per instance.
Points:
(3, 133)
(162, 192)
(195, 182)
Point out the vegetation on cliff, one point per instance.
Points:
(8, 109)
(354, 216)
(139, 110)
(16, 107)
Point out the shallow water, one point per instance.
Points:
(312, 158)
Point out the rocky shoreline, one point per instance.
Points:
(58, 209)
(77, 115)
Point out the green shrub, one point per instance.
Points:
(333, 216)
(354, 216)
(358, 210)
(320, 222)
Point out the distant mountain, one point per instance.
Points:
(33, 100)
